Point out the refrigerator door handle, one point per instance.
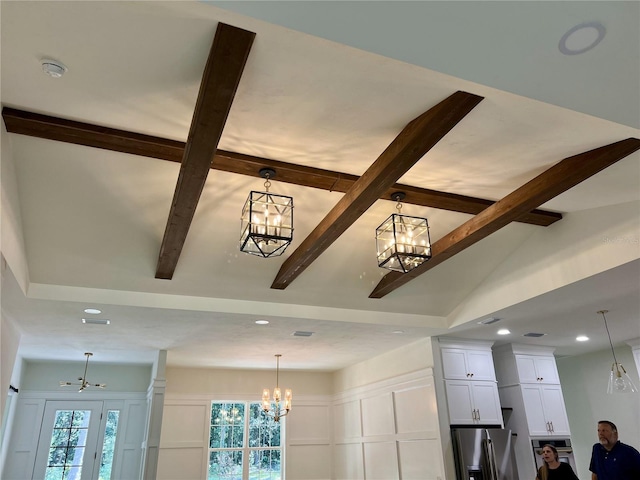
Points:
(490, 459)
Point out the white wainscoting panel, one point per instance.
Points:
(349, 461)
(420, 459)
(416, 410)
(309, 462)
(309, 424)
(180, 464)
(381, 461)
(347, 422)
(378, 415)
(184, 425)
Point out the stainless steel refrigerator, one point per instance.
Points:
(484, 454)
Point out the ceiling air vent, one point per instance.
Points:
(489, 321)
(534, 335)
(96, 321)
(298, 333)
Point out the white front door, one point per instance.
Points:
(70, 441)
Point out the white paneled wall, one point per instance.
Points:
(184, 440)
(308, 440)
(388, 430)
(184, 443)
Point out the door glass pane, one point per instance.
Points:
(108, 446)
(68, 444)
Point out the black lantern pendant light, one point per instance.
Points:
(267, 221)
(402, 241)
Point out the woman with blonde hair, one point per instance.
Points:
(552, 468)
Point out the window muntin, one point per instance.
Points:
(244, 444)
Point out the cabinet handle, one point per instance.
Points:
(473, 414)
(472, 375)
(468, 375)
(552, 429)
(548, 428)
(478, 414)
(541, 378)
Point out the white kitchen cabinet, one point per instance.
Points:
(473, 402)
(467, 364)
(537, 369)
(545, 410)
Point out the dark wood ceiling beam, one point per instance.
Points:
(222, 74)
(413, 142)
(79, 133)
(549, 184)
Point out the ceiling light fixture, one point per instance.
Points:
(92, 311)
(619, 381)
(84, 383)
(276, 408)
(262, 322)
(582, 38)
(267, 221)
(582, 338)
(503, 331)
(402, 242)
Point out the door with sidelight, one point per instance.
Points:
(76, 441)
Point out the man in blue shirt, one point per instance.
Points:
(611, 459)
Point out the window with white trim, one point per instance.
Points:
(244, 444)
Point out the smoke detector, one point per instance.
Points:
(53, 68)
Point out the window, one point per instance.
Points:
(244, 444)
(68, 444)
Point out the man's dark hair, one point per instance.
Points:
(611, 424)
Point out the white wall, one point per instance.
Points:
(584, 384)
(185, 425)
(410, 358)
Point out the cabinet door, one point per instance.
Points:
(546, 370)
(480, 365)
(534, 410)
(454, 364)
(460, 403)
(554, 409)
(526, 369)
(486, 402)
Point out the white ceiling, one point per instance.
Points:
(329, 85)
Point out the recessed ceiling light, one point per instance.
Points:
(582, 38)
(582, 338)
(262, 322)
(96, 321)
(398, 332)
(503, 331)
(93, 311)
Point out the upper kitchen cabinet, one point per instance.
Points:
(518, 364)
(467, 361)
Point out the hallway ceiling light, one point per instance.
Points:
(279, 409)
(619, 381)
(84, 383)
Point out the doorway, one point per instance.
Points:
(76, 441)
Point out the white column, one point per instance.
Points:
(155, 406)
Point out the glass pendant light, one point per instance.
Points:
(619, 381)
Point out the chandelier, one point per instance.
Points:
(267, 221)
(619, 381)
(279, 409)
(83, 382)
(402, 242)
